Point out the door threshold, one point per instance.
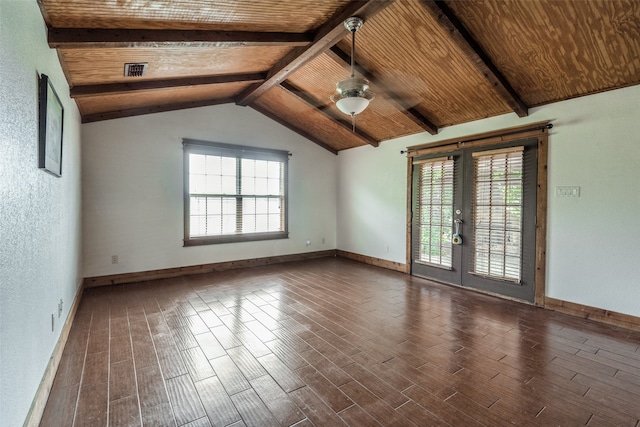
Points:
(480, 291)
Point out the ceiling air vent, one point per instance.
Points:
(138, 69)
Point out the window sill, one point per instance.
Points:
(235, 238)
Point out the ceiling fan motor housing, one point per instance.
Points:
(353, 86)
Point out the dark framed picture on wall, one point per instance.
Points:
(50, 128)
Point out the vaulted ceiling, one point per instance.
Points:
(430, 63)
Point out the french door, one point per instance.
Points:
(474, 218)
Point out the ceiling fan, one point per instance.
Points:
(352, 94)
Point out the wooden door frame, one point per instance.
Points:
(538, 130)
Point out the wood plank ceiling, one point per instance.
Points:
(430, 63)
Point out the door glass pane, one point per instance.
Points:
(435, 212)
(497, 207)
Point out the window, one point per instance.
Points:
(498, 213)
(435, 211)
(233, 193)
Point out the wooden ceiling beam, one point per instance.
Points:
(293, 128)
(330, 33)
(133, 86)
(76, 38)
(467, 43)
(330, 114)
(117, 114)
(344, 59)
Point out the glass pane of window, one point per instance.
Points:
(197, 184)
(513, 217)
(261, 168)
(213, 164)
(249, 205)
(496, 265)
(498, 214)
(273, 187)
(274, 170)
(214, 205)
(261, 188)
(435, 212)
(198, 206)
(261, 223)
(197, 164)
(261, 177)
(274, 222)
(261, 214)
(213, 184)
(228, 224)
(512, 265)
(496, 241)
(262, 205)
(481, 263)
(218, 209)
(228, 185)
(214, 225)
(436, 215)
(198, 224)
(249, 223)
(513, 244)
(228, 166)
(248, 185)
(482, 239)
(248, 168)
(229, 206)
(274, 205)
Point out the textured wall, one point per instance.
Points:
(592, 240)
(39, 213)
(133, 184)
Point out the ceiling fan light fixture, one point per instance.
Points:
(352, 105)
(352, 94)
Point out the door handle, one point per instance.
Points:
(456, 239)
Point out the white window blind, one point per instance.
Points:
(234, 193)
(435, 212)
(497, 208)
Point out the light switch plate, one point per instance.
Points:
(567, 191)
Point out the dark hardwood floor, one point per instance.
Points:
(332, 342)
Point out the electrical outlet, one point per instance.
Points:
(114, 259)
(60, 308)
(308, 242)
(323, 240)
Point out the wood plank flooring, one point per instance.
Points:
(331, 342)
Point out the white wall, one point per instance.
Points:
(39, 213)
(593, 242)
(133, 184)
(372, 194)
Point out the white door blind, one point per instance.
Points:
(435, 212)
(497, 207)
